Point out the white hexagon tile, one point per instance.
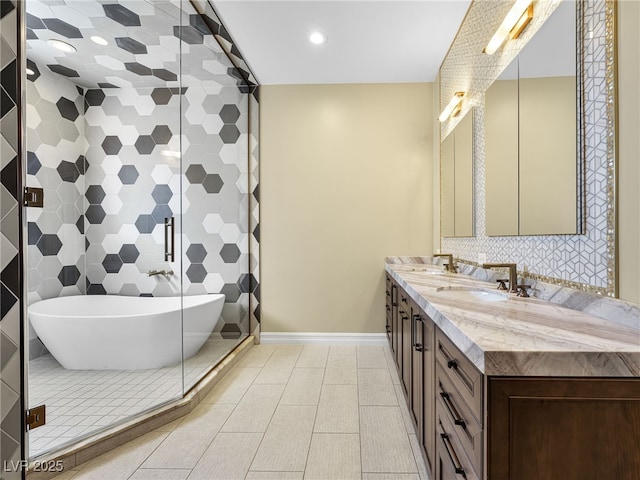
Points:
(105, 129)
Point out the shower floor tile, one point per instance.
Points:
(82, 402)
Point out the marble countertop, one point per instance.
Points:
(521, 336)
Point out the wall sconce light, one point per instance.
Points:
(512, 26)
(453, 107)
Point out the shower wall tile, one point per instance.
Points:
(55, 162)
(145, 43)
(11, 301)
(251, 283)
(94, 203)
(240, 67)
(134, 182)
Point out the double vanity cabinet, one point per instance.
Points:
(495, 393)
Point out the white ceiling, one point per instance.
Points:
(368, 41)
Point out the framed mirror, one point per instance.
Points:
(532, 159)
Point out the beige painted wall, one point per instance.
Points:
(346, 179)
(629, 149)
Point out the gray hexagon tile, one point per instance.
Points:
(108, 161)
(144, 43)
(54, 115)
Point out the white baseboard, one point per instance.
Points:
(323, 338)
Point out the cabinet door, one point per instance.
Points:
(395, 331)
(416, 403)
(428, 379)
(388, 309)
(563, 428)
(407, 348)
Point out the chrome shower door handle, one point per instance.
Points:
(169, 224)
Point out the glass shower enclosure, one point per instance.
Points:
(137, 132)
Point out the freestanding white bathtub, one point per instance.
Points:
(110, 332)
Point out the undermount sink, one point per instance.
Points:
(473, 294)
(427, 271)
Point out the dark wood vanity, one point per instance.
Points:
(497, 427)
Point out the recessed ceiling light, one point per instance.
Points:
(317, 38)
(29, 71)
(99, 40)
(62, 46)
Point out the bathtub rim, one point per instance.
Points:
(210, 297)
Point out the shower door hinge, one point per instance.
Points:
(33, 197)
(36, 417)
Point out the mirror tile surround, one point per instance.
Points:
(586, 261)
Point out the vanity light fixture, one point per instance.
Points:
(62, 46)
(99, 41)
(453, 107)
(317, 38)
(512, 26)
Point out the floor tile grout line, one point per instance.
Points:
(358, 374)
(235, 405)
(315, 418)
(234, 368)
(253, 459)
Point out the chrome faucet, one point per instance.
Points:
(160, 272)
(513, 274)
(449, 267)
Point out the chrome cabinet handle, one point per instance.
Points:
(169, 224)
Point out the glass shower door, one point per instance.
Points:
(215, 195)
(103, 141)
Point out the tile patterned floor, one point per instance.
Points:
(82, 402)
(283, 412)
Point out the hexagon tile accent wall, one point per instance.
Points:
(11, 301)
(86, 214)
(111, 174)
(130, 192)
(252, 283)
(55, 150)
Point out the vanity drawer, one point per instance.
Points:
(452, 462)
(463, 424)
(462, 374)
